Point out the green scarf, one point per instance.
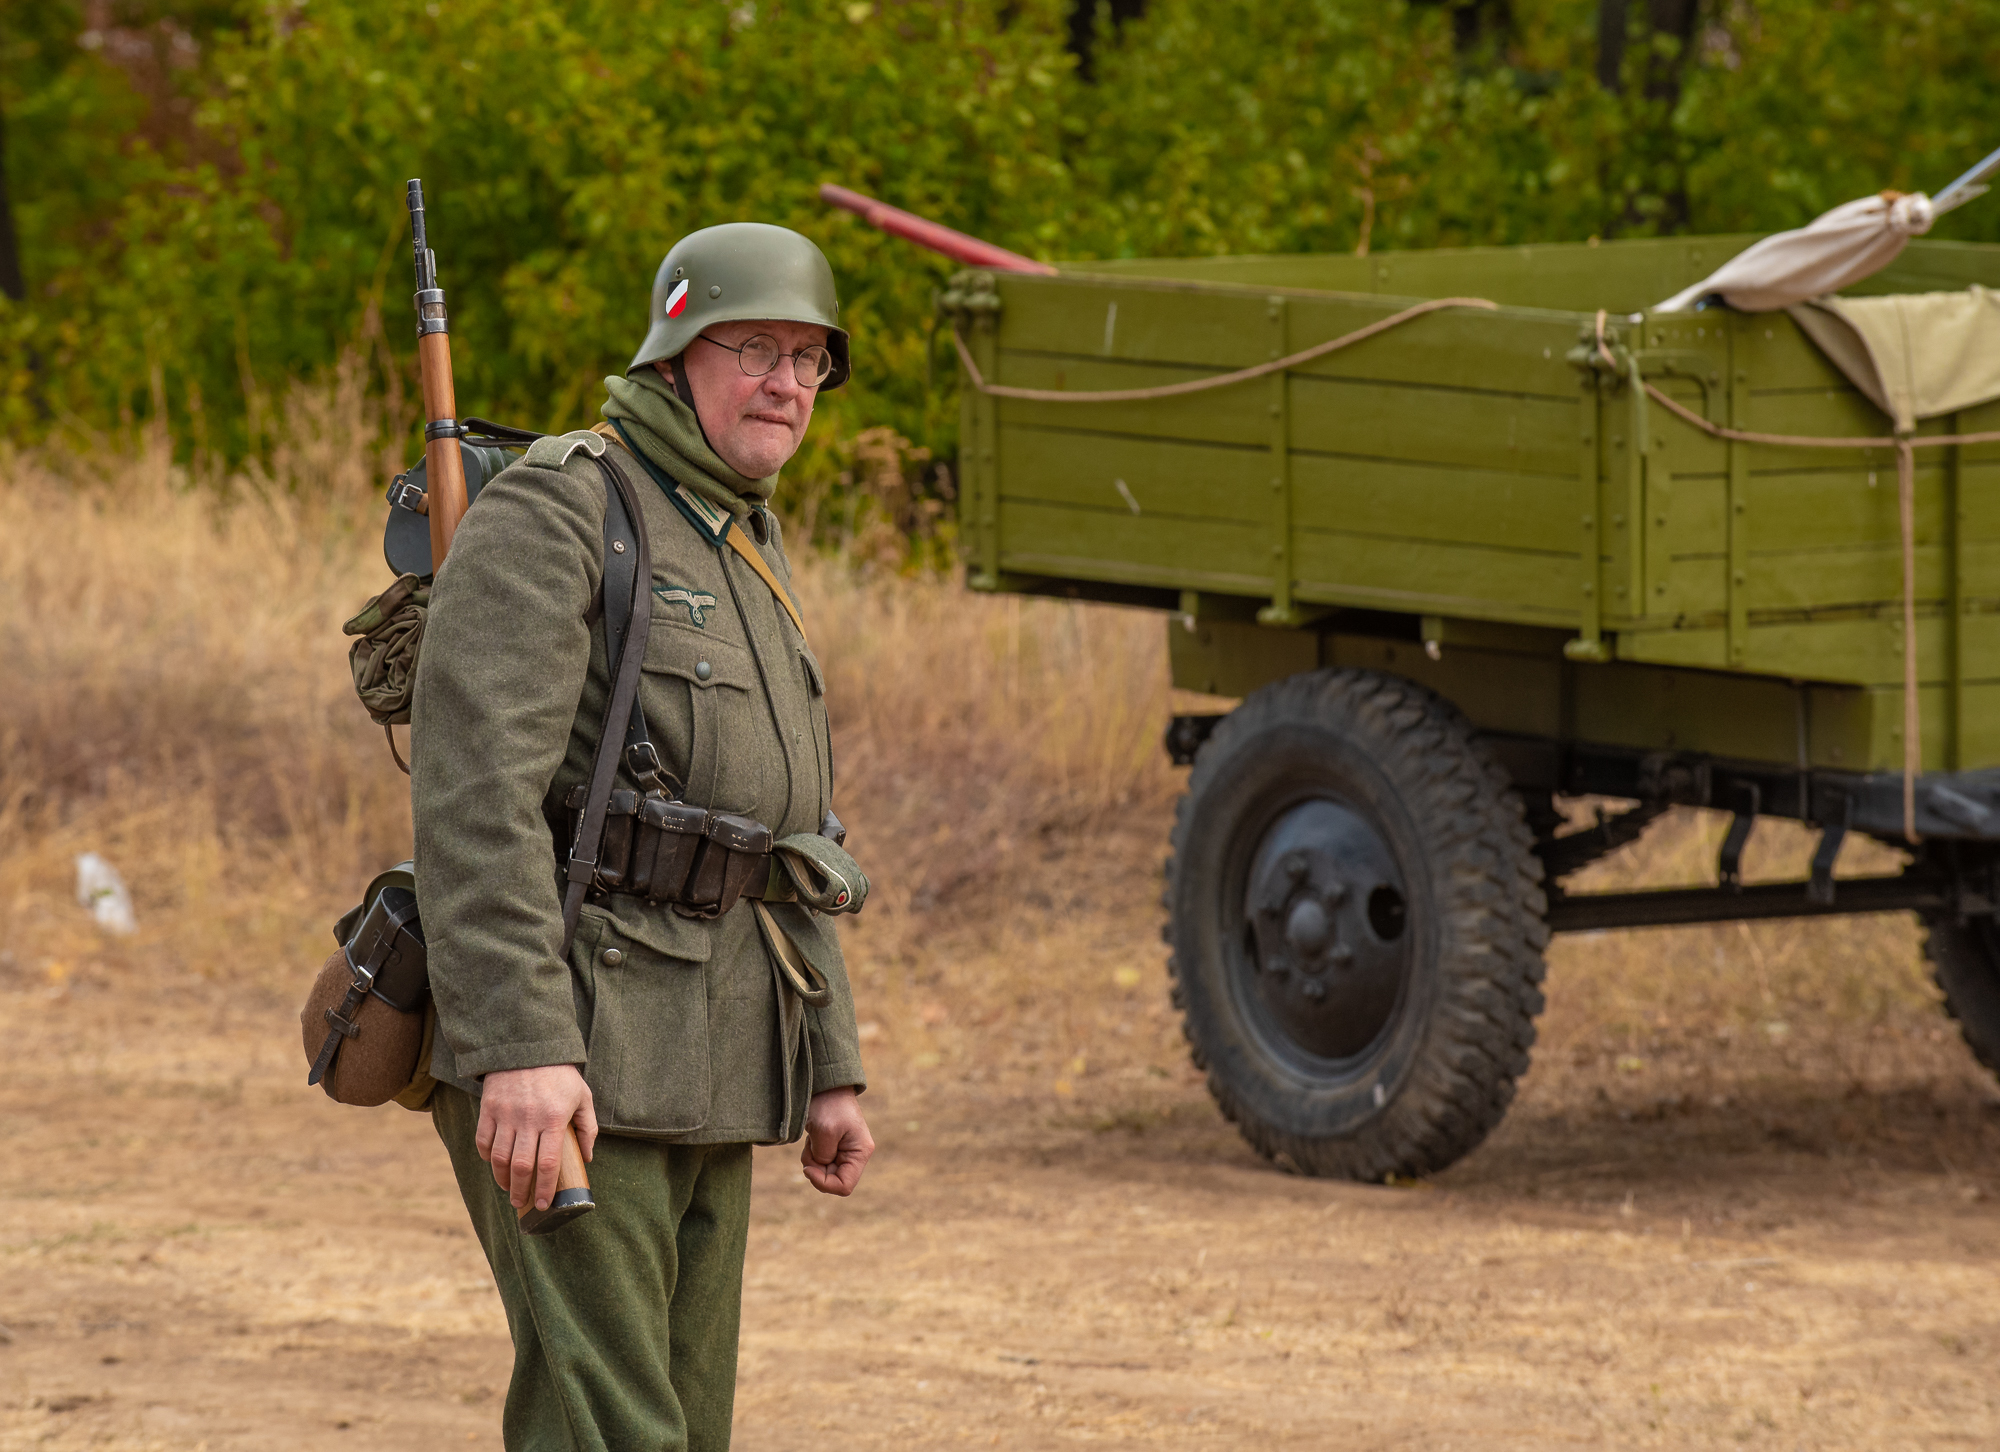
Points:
(667, 433)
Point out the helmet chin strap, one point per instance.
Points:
(678, 365)
(684, 391)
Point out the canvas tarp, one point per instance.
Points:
(1847, 244)
(1917, 355)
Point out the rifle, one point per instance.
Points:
(445, 504)
(445, 469)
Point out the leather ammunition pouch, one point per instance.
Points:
(702, 863)
(697, 861)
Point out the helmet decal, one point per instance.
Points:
(678, 300)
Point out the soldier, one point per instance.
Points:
(670, 1040)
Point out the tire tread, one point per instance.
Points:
(1482, 851)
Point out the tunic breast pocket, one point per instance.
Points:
(698, 698)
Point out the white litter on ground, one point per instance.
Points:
(102, 890)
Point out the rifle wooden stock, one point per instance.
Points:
(445, 500)
(444, 466)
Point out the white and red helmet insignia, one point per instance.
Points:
(677, 300)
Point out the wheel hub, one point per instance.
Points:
(1325, 913)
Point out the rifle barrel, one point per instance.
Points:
(444, 466)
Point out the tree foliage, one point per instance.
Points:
(209, 196)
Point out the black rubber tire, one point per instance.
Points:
(1440, 1075)
(1965, 961)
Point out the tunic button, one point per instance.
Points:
(613, 957)
(703, 670)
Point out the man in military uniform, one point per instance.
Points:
(670, 1040)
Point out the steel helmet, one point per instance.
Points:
(742, 272)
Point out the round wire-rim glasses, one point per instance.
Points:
(759, 354)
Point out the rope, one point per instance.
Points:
(1220, 380)
(1905, 446)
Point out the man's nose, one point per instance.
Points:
(782, 382)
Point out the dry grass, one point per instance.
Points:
(1741, 1199)
(178, 700)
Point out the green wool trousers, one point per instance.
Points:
(624, 1321)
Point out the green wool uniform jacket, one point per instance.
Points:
(683, 1028)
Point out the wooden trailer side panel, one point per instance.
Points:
(1440, 473)
(1464, 468)
(1574, 277)
(1788, 562)
(1624, 277)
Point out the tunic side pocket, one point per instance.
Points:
(649, 1058)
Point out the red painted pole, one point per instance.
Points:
(926, 233)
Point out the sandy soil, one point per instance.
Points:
(1779, 1250)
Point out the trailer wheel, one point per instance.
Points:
(1965, 960)
(1356, 924)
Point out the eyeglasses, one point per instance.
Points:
(760, 354)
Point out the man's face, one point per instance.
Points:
(754, 424)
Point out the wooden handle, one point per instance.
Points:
(445, 495)
(570, 1172)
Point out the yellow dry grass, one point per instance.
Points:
(178, 701)
(1742, 1196)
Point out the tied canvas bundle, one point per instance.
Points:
(390, 628)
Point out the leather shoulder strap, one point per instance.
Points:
(627, 618)
(757, 562)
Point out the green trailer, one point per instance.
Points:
(1465, 567)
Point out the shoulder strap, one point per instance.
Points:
(628, 575)
(552, 451)
(757, 562)
(712, 523)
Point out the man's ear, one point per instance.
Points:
(666, 370)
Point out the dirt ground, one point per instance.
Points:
(1682, 1237)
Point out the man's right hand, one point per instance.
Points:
(521, 1117)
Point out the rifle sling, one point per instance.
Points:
(628, 616)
